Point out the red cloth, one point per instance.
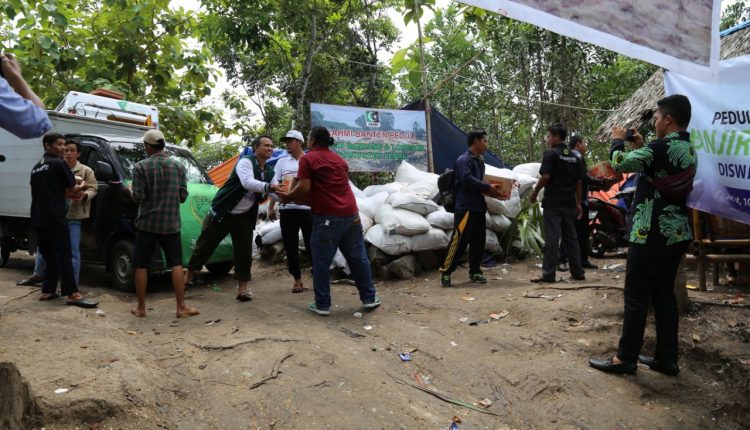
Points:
(330, 193)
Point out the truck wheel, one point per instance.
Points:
(4, 251)
(123, 270)
(220, 269)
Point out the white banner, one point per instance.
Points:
(720, 132)
(674, 34)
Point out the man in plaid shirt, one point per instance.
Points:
(159, 186)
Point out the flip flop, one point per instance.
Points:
(82, 303)
(298, 288)
(50, 297)
(245, 296)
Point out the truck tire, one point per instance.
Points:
(121, 263)
(220, 269)
(4, 251)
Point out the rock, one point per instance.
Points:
(377, 257)
(18, 407)
(273, 253)
(429, 260)
(403, 267)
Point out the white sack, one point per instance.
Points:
(270, 232)
(366, 221)
(441, 219)
(369, 205)
(388, 188)
(500, 223)
(525, 182)
(418, 182)
(340, 262)
(492, 245)
(391, 244)
(531, 169)
(411, 202)
(400, 221)
(357, 192)
(432, 240)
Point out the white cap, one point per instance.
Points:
(152, 137)
(293, 134)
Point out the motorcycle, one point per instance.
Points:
(608, 224)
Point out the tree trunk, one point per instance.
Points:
(307, 71)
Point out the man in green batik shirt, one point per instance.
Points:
(659, 237)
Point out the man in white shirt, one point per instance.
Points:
(234, 211)
(293, 216)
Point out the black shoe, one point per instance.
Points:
(579, 278)
(670, 369)
(609, 367)
(543, 280)
(445, 281)
(588, 265)
(477, 278)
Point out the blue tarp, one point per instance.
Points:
(448, 141)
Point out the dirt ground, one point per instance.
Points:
(270, 364)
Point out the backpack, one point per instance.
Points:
(446, 183)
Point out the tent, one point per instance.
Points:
(448, 141)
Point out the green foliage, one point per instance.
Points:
(524, 236)
(736, 13)
(137, 47)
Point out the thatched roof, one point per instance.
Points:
(637, 110)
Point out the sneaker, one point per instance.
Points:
(477, 278)
(373, 304)
(445, 281)
(322, 312)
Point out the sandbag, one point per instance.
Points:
(525, 182)
(369, 205)
(270, 232)
(530, 169)
(418, 182)
(440, 219)
(391, 244)
(366, 221)
(357, 192)
(492, 244)
(432, 240)
(499, 223)
(428, 190)
(339, 262)
(411, 202)
(401, 221)
(388, 188)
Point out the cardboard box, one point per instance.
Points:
(506, 185)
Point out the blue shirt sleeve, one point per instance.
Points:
(19, 116)
(468, 181)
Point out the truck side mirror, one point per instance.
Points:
(2, 158)
(103, 171)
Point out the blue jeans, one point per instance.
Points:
(345, 233)
(40, 266)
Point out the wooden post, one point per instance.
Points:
(698, 236)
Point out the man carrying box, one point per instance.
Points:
(469, 214)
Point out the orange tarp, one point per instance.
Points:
(220, 173)
(608, 195)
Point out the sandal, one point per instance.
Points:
(245, 296)
(298, 287)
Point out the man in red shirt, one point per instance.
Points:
(323, 182)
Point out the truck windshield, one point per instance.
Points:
(130, 154)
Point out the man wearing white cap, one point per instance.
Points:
(294, 217)
(159, 186)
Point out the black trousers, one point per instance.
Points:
(240, 227)
(292, 220)
(650, 275)
(560, 222)
(468, 229)
(54, 244)
(582, 233)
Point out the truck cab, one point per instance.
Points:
(111, 149)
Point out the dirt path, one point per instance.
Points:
(345, 372)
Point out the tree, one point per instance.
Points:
(137, 47)
(736, 13)
(320, 50)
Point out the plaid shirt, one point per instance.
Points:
(159, 186)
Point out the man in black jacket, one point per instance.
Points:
(469, 214)
(234, 211)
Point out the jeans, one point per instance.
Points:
(40, 266)
(345, 233)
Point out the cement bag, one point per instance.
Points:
(492, 244)
(441, 219)
(500, 223)
(530, 169)
(418, 182)
(388, 188)
(431, 241)
(494, 206)
(411, 202)
(270, 232)
(401, 221)
(357, 192)
(369, 205)
(391, 244)
(511, 207)
(339, 262)
(366, 221)
(525, 182)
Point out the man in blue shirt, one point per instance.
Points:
(469, 215)
(21, 111)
